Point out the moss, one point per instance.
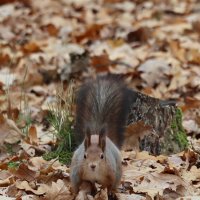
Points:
(179, 133)
(64, 156)
(13, 165)
(50, 155)
(175, 139)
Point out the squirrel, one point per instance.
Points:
(102, 107)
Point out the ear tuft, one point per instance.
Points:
(87, 141)
(102, 138)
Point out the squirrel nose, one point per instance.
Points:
(93, 166)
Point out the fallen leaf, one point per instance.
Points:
(101, 63)
(5, 178)
(24, 173)
(193, 56)
(9, 132)
(31, 47)
(32, 135)
(6, 10)
(142, 34)
(154, 71)
(191, 126)
(92, 32)
(51, 29)
(24, 185)
(178, 51)
(6, 77)
(4, 59)
(57, 190)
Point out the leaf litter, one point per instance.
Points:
(154, 43)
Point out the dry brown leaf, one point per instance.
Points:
(7, 78)
(154, 184)
(51, 29)
(192, 175)
(41, 36)
(116, 43)
(196, 26)
(28, 148)
(9, 132)
(102, 195)
(177, 51)
(190, 103)
(32, 135)
(57, 190)
(100, 63)
(175, 161)
(38, 164)
(131, 197)
(5, 178)
(24, 185)
(145, 155)
(4, 59)
(154, 71)
(25, 2)
(91, 33)
(13, 191)
(191, 126)
(142, 34)
(147, 175)
(31, 47)
(179, 79)
(171, 170)
(193, 56)
(24, 173)
(189, 198)
(190, 157)
(38, 90)
(83, 196)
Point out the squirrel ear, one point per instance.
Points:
(102, 138)
(87, 141)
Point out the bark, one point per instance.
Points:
(155, 126)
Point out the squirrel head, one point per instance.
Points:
(94, 156)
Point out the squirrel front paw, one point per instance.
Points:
(112, 196)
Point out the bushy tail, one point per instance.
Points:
(103, 103)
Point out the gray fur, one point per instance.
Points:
(75, 167)
(113, 162)
(104, 101)
(101, 104)
(113, 157)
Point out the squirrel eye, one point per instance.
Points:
(101, 156)
(85, 156)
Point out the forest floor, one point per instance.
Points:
(155, 44)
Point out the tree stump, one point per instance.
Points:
(155, 126)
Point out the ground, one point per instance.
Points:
(46, 45)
